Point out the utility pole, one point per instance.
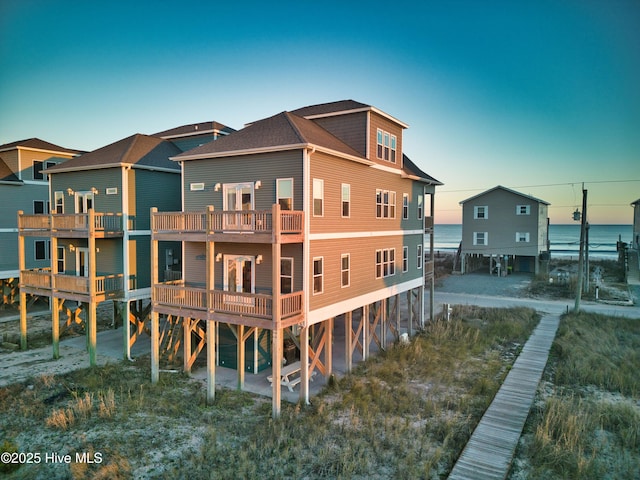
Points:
(583, 228)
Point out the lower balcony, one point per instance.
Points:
(72, 287)
(251, 309)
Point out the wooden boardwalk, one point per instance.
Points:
(490, 450)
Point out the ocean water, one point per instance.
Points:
(564, 239)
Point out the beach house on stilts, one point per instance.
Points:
(288, 225)
(98, 228)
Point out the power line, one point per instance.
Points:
(543, 185)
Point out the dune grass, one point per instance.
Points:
(405, 413)
(588, 426)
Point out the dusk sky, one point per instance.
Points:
(538, 96)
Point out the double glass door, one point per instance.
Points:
(239, 277)
(239, 203)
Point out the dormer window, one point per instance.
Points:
(386, 146)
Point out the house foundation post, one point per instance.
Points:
(211, 361)
(304, 365)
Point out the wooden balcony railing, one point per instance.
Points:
(227, 221)
(257, 305)
(102, 222)
(44, 279)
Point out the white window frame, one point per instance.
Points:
(380, 148)
(318, 194)
(385, 262)
(485, 212)
(346, 271)
(195, 187)
(405, 259)
(385, 209)
(420, 259)
(345, 188)
(405, 206)
(485, 238)
(318, 275)
(523, 210)
(279, 195)
(393, 147)
(420, 206)
(522, 237)
(61, 255)
(286, 259)
(58, 199)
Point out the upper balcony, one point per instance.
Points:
(428, 224)
(73, 287)
(75, 225)
(241, 226)
(250, 309)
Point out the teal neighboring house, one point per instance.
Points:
(99, 230)
(23, 186)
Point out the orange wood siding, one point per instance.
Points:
(363, 279)
(364, 181)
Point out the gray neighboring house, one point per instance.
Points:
(23, 186)
(636, 224)
(508, 228)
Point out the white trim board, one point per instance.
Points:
(351, 304)
(368, 234)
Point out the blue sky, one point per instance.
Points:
(534, 95)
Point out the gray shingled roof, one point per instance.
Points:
(331, 107)
(39, 144)
(412, 169)
(136, 150)
(281, 130)
(500, 187)
(194, 128)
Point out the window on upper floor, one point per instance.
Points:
(41, 250)
(405, 206)
(522, 237)
(420, 206)
(318, 275)
(38, 167)
(523, 210)
(346, 200)
(385, 204)
(480, 238)
(420, 258)
(284, 193)
(58, 198)
(480, 212)
(387, 144)
(318, 197)
(385, 262)
(39, 207)
(61, 251)
(286, 275)
(405, 259)
(345, 270)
